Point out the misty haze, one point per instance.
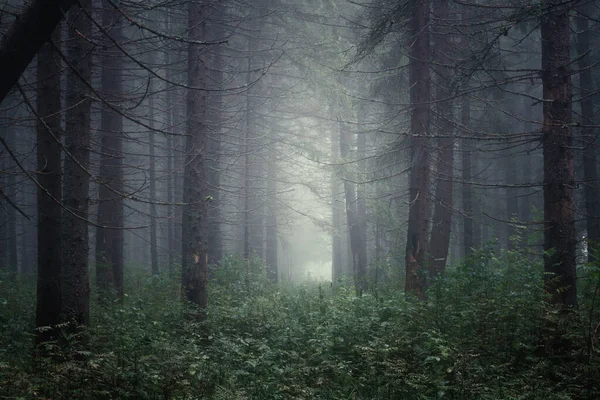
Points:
(309, 199)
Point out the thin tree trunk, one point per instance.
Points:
(472, 236)
(337, 268)
(75, 278)
(559, 230)
(417, 248)
(49, 212)
(215, 122)
(444, 190)
(11, 192)
(512, 201)
(590, 174)
(109, 242)
(357, 250)
(195, 213)
(271, 219)
(361, 204)
(152, 187)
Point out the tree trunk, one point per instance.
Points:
(215, 122)
(470, 219)
(361, 204)
(417, 248)
(271, 218)
(559, 231)
(590, 174)
(337, 268)
(512, 201)
(254, 160)
(356, 247)
(444, 190)
(11, 192)
(195, 213)
(26, 36)
(75, 278)
(152, 185)
(49, 212)
(109, 242)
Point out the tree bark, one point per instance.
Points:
(109, 242)
(512, 201)
(444, 190)
(559, 230)
(75, 278)
(337, 268)
(49, 212)
(271, 218)
(215, 122)
(195, 213)
(26, 36)
(467, 190)
(357, 248)
(590, 173)
(152, 186)
(417, 248)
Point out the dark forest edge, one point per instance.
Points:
(486, 331)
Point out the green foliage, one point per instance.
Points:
(481, 335)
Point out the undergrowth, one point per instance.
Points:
(482, 334)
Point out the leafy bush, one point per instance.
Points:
(479, 336)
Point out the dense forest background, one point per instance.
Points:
(333, 199)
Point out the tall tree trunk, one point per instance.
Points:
(109, 242)
(559, 230)
(271, 218)
(590, 173)
(470, 219)
(417, 248)
(255, 209)
(512, 201)
(444, 190)
(361, 205)
(356, 247)
(152, 184)
(49, 212)
(215, 122)
(195, 213)
(11, 192)
(337, 268)
(170, 177)
(75, 278)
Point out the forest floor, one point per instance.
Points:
(485, 332)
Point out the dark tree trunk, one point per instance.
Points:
(444, 190)
(512, 201)
(152, 187)
(357, 248)
(361, 204)
(75, 278)
(472, 235)
(590, 173)
(170, 177)
(271, 218)
(195, 213)
(215, 122)
(559, 230)
(254, 182)
(109, 242)
(337, 268)
(417, 248)
(11, 192)
(25, 38)
(49, 211)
